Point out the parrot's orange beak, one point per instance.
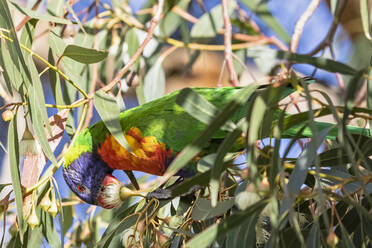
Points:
(109, 195)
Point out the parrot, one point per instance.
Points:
(155, 132)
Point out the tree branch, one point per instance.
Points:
(228, 56)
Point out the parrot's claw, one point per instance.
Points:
(163, 194)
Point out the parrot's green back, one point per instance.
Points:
(161, 118)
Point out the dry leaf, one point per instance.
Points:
(34, 162)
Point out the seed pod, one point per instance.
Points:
(45, 203)
(332, 239)
(53, 210)
(7, 115)
(33, 220)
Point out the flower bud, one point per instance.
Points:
(33, 220)
(53, 210)
(332, 239)
(28, 145)
(7, 115)
(45, 203)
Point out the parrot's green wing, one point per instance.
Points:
(162, 118)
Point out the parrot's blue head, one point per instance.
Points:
(90, 178)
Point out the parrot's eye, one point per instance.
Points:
(80, 188)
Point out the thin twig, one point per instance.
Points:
(228, 57)
(327, 41)
(301, 23)
(27, 18)
(154, 21)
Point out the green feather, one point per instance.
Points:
(161, 118)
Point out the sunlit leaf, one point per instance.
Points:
(260, 8)
(154, 84)
(319, 62)
(37, 15)
(13, 147)
(109, 111)
(365, 18)
(210, 23)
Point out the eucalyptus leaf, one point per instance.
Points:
(365, 18)
(13, 147)
(109, 111)
(260, 8)
(203, 208)
(319, 62)
(154, 84)
(211, 22)
(37, 15)
(84, 55)
(222, 229)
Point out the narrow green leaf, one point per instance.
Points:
(220, 230)
(13, 147)
(67, 218)
(154, 84)
(210, 23)
(261, 9)
(37, 15)
(365, 18)
(84, 55)
(27, 36)
(200, 108)
(217, 169)
(11, 75)
(109, 111)
(313, 239)
(244, 235)
(49, 230)
(36, 238)
(171, 21)
(14, 48)
(55, 81)
(298, 175)
(131, 39)
(56, 7)
(196, 146)
(321, 63)
(203, 209)
(39, 115)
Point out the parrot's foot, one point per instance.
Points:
(163, 194)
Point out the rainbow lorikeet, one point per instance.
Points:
(156, 132)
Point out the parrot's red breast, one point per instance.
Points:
(151, 156)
